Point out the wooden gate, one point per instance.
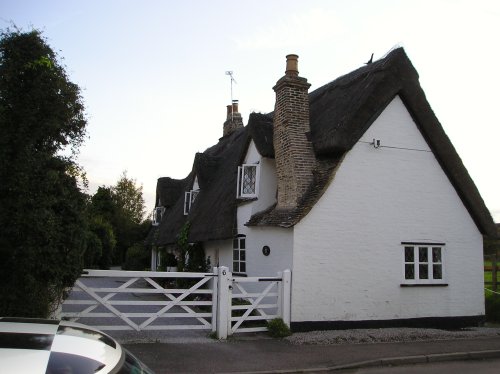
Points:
(144, 301)
(251, 301)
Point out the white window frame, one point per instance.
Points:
(157, 215)
(240, 261)
(430, 263)
(189, 198)
(241, 173)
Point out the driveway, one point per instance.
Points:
(130, 335)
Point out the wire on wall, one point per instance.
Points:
(400, 148)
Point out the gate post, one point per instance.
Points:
(215, 296)
(224, 302)
(286, 289)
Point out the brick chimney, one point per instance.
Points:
(233, 120)
(294, 154)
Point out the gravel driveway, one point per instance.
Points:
(388, 335)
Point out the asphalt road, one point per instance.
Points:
(263, 354)
(451, 367)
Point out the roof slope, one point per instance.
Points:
(213, 213)
(342, 110)
(173, 217)
(260, 127)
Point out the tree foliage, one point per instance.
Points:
(128, 199)
(122, 208)
(130, 226)
(42, 221)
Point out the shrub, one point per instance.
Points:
(137, 258)
(492, 306)
(277, 328)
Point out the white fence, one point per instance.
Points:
(215, 301)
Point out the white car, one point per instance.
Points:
(60, 347)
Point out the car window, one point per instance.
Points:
(66, 363)
(132, 365)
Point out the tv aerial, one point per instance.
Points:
(233, 101)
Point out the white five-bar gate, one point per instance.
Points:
(145, 300)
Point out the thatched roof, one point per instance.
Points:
(169, 190)
(260, 127)
(340, 112)
(213, 213)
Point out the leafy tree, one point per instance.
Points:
(42, 221)
(128, 198)
(122, 208)
(102, 239)
(137, 258)
(101, 243)
(129, 224)
(103, 204)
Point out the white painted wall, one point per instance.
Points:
(267, 179)
(220, 252)
(279, 240)
(347, 251)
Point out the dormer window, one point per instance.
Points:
(248, 176)
(189, 198)
(158, 215)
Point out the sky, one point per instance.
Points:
(152, 73)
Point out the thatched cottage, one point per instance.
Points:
(355, 187)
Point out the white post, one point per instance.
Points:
(286, 285)
(153, 259)
(224, 302)
(215, 293)
(280, 294)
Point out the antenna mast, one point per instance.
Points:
(230, 73)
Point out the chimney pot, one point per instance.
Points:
(233, 119)
(292, 66)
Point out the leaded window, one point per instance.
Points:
(248, 176)
(189, 198)
(158, 215)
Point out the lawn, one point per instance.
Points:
(488, 275)
(492, 300)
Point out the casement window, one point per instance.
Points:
(189, 198)
(239, 254)
(248, 178)
(158, 215)
(423, 263)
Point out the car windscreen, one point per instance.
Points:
(131, 365)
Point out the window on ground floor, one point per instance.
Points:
(239, 254)
(423, 263)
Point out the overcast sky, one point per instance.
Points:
(153, 78)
